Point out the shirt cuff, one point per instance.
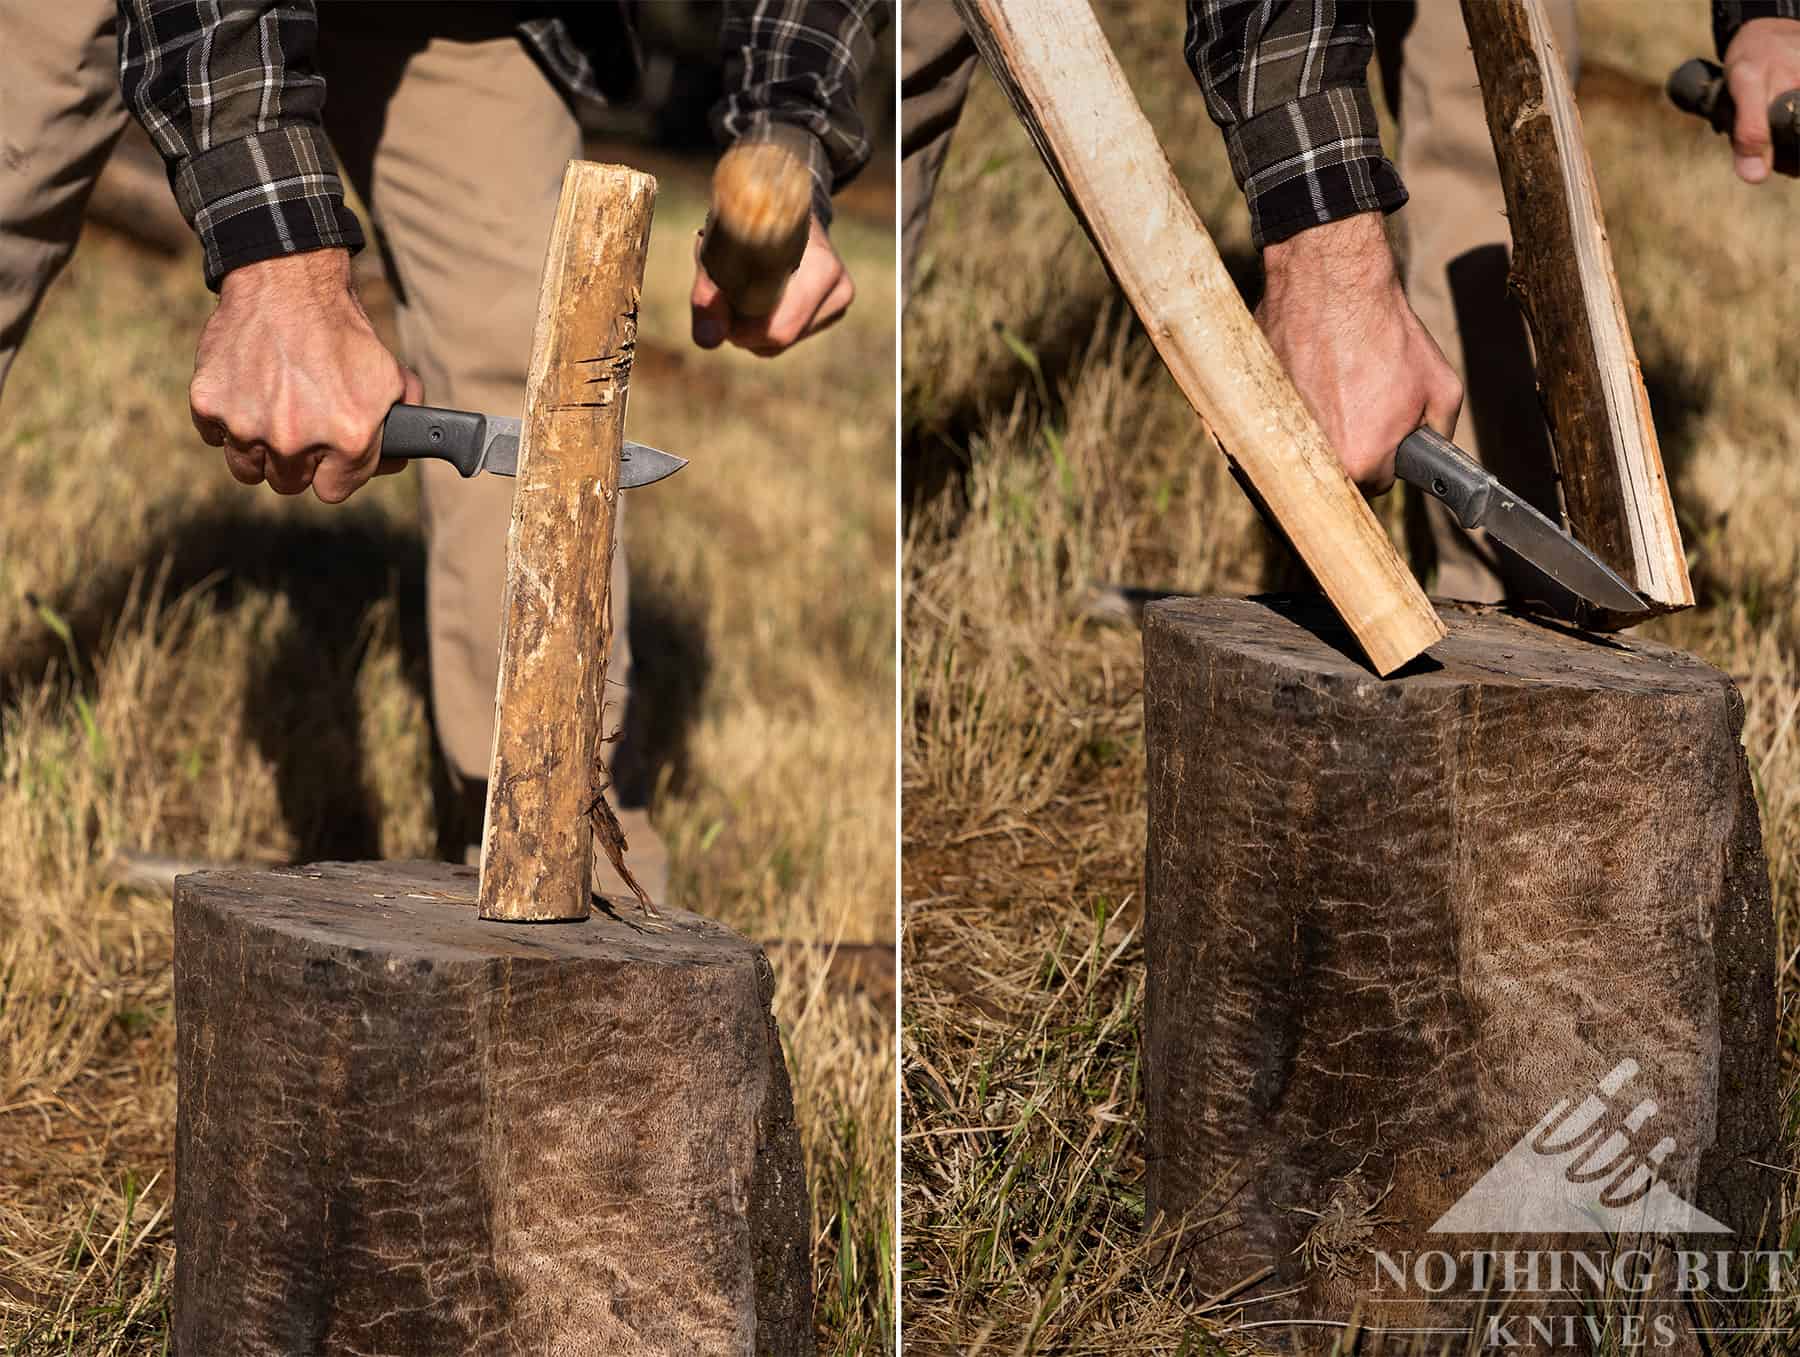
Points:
(1310, 161)
(1728, 18)
(804, 146)
(263, 196)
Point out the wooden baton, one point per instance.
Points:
(756, 232)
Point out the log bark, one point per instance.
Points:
(547, 772)
(404, 1131)
(1389, 927)
(1614, 487)
(1066, 86)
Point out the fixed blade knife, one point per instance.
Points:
(474, 443)
(1442, 470)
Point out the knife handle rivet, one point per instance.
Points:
(1438, 487)
(437, 435)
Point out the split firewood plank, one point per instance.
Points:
(1614, 486)
(1056, 66)
(547, 778)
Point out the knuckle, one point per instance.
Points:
(351, 436)
(204, 401)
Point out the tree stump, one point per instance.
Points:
(1478, 956)
(405, 1131)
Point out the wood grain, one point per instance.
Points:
(1614, 487)
(404, 1131)
(1390, 926)
(1066, 86)
(550, 712)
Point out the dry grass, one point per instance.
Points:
(1072, 460)
(192, 668)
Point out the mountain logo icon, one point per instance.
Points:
(1582, 1170)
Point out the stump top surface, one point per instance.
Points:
(1486, 645)
(426, 910)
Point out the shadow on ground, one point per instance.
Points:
(303, 714)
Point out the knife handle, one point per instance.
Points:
(1439, 467)
(454, 436)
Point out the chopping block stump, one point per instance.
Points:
(402, 1130)
(1391, 924)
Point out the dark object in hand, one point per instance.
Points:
(1698, 87)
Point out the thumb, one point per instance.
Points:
(711, 312)
(1750, 129)
(412, 392)
(1444, 404)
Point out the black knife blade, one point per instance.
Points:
(1442, 470)
(473, 443)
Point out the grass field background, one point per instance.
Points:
(1047, 453)
(189, 667)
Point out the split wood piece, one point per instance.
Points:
(1390, 927)
(1614, 486)
(547, 776)
(756, 233)
(403, 1130)
(1065, 84)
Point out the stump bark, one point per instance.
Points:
(1392, 926)
(404, 1131)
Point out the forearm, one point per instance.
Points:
(230, 95)
(793, 71)
(1287, 85)
(1336, 316)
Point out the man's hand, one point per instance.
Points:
(1336, 317)
(816, 298)
(291, 381)
(1762, 63)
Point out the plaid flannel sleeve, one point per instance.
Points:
(1730, 15)
(793, 69)
(1288, 83)
(229, 94)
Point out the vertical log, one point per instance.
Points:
(1614, 487)
(1066, 86)
(1390, 928)
(549, 708)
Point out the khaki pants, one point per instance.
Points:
(1457, 242)
(457, 141)
(937, 61)
(1457, 247)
